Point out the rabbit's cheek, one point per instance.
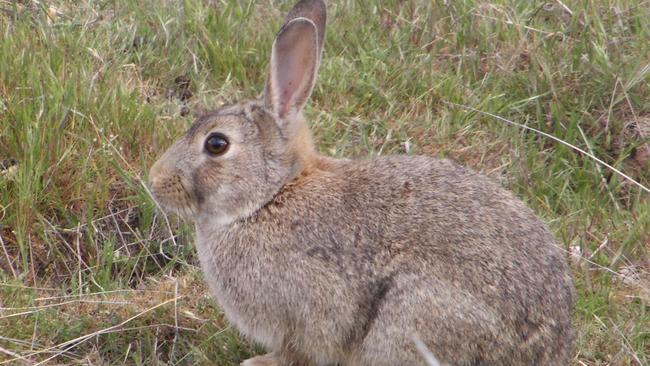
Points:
(206, 178)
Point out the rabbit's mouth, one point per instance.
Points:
(171, 194)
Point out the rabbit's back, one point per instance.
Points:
(400, 212)
(392, 247)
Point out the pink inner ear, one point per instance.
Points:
(293, 66)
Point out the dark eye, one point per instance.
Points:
(216, 144)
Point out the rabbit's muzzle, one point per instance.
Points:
(170, 191)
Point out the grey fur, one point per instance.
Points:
(346, 262)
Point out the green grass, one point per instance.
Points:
(90, 272)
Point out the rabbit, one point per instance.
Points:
(327, 261)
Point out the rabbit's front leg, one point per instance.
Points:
(276, 359)
(269, 359)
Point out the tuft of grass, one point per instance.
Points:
(92, 92)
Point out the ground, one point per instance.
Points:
(551, 99)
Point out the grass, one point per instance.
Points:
(92, 92)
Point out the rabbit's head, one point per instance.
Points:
(234, 160)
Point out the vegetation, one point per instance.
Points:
(91, 92)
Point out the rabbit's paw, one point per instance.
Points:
(269, 359)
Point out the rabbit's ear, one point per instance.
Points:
(295, 59)
(314, 10)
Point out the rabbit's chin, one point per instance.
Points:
(224, 216)
(186, 211)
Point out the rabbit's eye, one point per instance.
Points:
(216, 144)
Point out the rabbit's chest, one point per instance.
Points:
(238, 285)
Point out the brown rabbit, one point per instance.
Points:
(351, 262)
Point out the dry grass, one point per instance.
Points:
(550, 98)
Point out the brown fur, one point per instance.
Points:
(346, 262)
